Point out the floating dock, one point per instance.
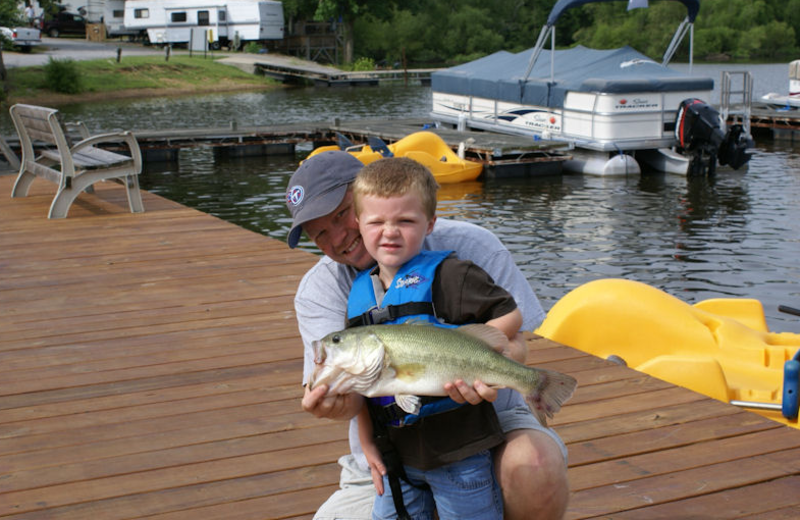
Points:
(783, 124)
(151, 365)
(501, 155)
(288, 69)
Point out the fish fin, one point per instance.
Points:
(408, 403)
(486, 333)
(553, 390)
(418, 321)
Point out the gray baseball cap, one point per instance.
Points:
(318, 187)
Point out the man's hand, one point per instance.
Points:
(339, 407)
(461, 392)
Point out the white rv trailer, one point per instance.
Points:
(171, 21)
(114, 18)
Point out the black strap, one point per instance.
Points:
(394, 466)
(378, 315)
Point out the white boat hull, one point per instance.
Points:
(638, 123)
(782, 100)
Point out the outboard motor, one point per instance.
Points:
(701, 134)
(733, 151)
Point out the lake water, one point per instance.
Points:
(735, 235)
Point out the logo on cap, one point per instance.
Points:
(295, 195)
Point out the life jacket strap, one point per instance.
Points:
(378, 315)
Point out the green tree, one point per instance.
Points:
(347, 11)
(10, 13)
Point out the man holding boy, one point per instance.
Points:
(531, 465)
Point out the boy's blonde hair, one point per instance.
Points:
(394, 177)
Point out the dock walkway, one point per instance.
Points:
(289, 68)
(150, 367)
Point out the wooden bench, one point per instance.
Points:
(74, 167)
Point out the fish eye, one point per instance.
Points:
(336, 339)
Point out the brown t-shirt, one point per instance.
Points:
(465, 293)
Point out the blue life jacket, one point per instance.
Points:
(413, 284)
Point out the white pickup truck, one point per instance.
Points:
(23, 37)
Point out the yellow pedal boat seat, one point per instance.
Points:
(721, 347)
(426, 148)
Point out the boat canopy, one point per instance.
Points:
(501, 76)
(692, 8)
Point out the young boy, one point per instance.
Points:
(444, 460)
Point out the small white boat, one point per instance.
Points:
(618, 108)
(792, 100)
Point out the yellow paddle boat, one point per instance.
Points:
(424, 147)
(719, 347)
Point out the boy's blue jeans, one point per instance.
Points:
(464, 489)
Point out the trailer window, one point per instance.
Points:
(202, 17)
(141, 13)
(221, 15)
(118, 13)
(178, 17)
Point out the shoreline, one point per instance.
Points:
(55, 99)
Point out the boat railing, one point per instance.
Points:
(677, 38)
(737, 107)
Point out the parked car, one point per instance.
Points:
(64, 23)
(25, 38)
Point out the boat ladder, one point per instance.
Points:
(737, 108)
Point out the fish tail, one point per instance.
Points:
(551, 391)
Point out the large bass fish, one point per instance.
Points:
(407, 361)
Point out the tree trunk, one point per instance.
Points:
(348, 41)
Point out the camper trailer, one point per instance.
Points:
(228, 23)
(114, 18)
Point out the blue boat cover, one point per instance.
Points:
(615, 71)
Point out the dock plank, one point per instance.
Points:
(150, 367)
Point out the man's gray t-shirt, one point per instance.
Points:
(321, 299)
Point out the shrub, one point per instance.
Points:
(62, 76)
(362, 64)
(252, 47)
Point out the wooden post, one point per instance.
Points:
(405, 67)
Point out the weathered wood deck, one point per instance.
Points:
(149, 367)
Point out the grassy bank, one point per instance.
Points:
(134, 76)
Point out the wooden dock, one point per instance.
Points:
(150, 367)
(289, 69)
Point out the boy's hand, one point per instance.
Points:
(376, 465)
(461, 392)
(340, 407)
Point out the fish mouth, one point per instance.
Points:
(319, 352)
(322, 374)
(325, 375)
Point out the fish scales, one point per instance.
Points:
(446, 355)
